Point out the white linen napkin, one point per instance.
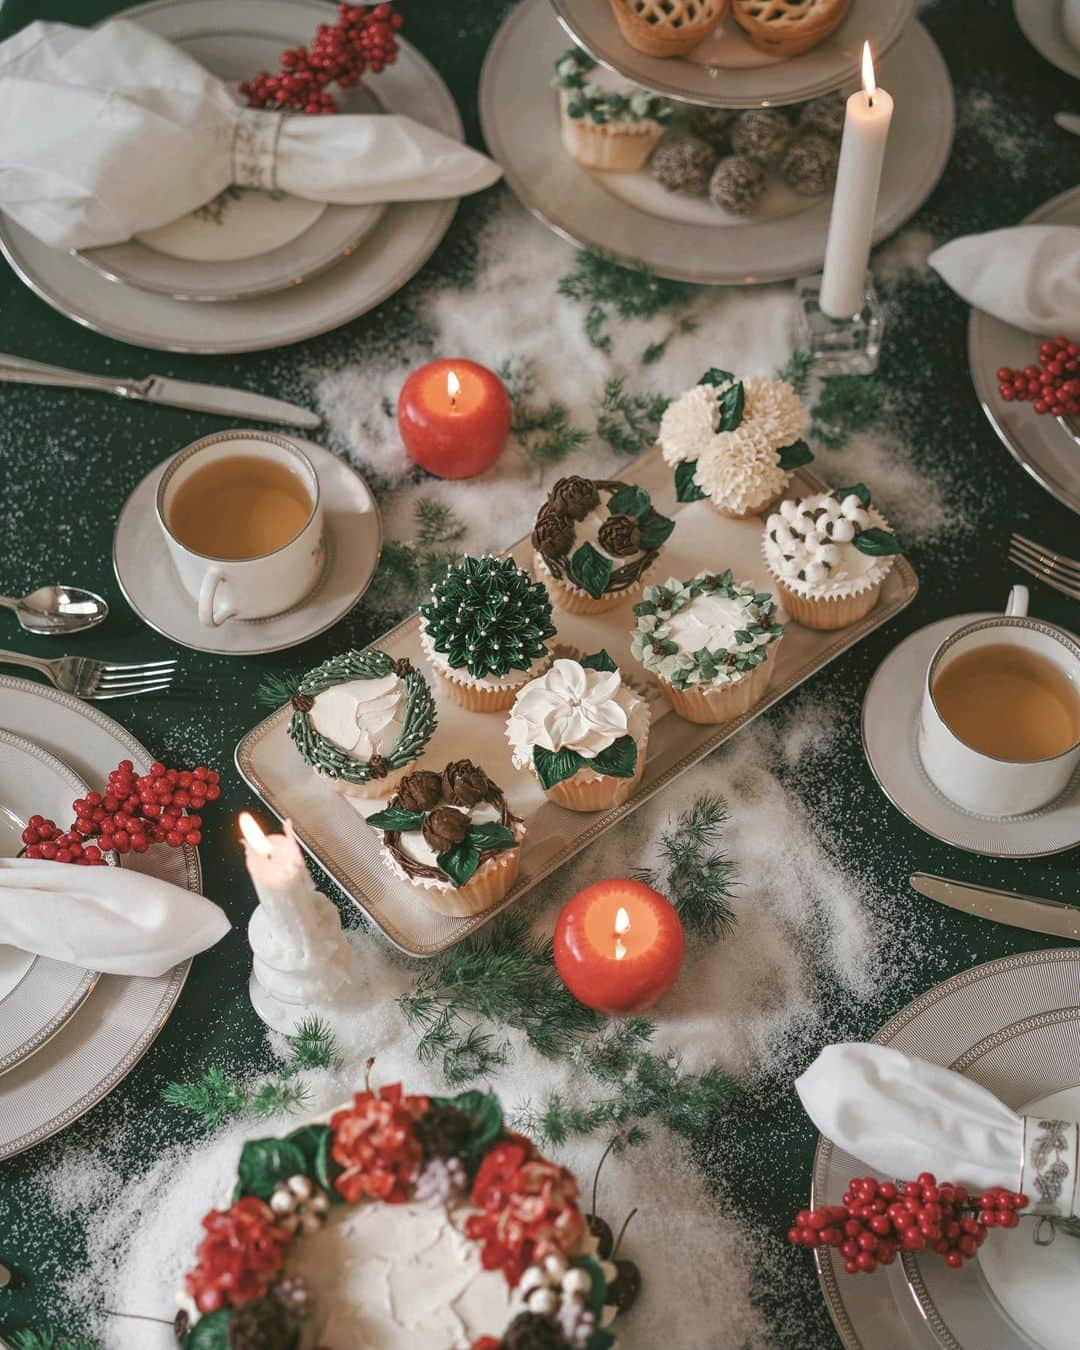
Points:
(104, 918)
(109, 131)
(903, 1116)
(1028, 276)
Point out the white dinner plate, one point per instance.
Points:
(520, 118)
(1040, 445)
(152, 588)
(1040, 22)
(725, 70)
(220, 32)
(37, 995)
(91, 1053)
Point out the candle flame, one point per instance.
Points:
(453, 387)
(622, 925)
(253, 834)
(868, 80)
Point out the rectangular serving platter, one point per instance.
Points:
(332, 831)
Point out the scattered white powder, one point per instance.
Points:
(904, 253)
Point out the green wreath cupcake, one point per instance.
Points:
(710, 642)
(593, 542)
(485, 632)
(607, 123)
(361, 719)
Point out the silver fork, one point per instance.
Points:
(1053, 568)
(97, 680)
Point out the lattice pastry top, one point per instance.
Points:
(667, 27)
(788, 27)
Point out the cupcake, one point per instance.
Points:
(452, 836)
(710, 642)
(593, 542)
(830, 554)
(359, 720)
(582, 733)
(485, 632)
(667, 28)
(607, 124)
(734, 441)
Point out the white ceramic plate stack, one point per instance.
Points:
(250, 269)
(691, 239)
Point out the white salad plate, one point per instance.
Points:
(519, 113)
(91, 1053)
(890, 726)
(152, 587)
(1012, 1025)
(228, 36)
(1041, 23)
(726, 70)
(1040, 445)
(37, 995)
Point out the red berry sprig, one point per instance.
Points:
(1053, 385)
(878, 1219)
(162, 806)
(363, 39)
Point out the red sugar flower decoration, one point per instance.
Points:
(528, 1209)
(242, 1252)
(376, 1146)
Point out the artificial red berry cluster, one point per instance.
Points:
(135, 811)
(1053, 385)
(877, 1219)
(363, 39)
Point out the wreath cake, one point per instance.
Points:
(594, 541)
(399, 1222)
(360, 719)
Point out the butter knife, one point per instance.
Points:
(1032, 912)
(211, 398)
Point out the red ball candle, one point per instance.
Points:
(619, 945)
(454, 417)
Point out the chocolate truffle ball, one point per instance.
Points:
(737, 185)
(762, 134)
(683, 164)
(809, 167)
(824, 116)
(712, 125)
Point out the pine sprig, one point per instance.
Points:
(696, 873)
(50, 1340)
(276, 690)
(436, 524)
(608, 289)
(314, 1046)
(407, 570)
(629, 423)
(847, 404)
(544, 431)
(797, 370)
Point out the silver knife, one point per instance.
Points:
(1022, 911)
(209, 398)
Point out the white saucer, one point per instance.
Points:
(889, 729)
(153, 590)
(1040, 21)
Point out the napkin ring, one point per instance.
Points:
(1050, 1164)
(254, 148)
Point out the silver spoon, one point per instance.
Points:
(52, 610)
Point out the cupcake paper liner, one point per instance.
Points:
(825, 612)
(592, 791)
(608, 147)
(758, 508)
(573, 600)
(486, 887)
(373, 789)
(475, 698)
(711, 704)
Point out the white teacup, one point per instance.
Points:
(978, 782)
(245, 588)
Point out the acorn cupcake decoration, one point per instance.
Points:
(594, 541)
(453, 836)
(734, 441)
(485, 632)
(830, 554)
(581, 732)
(360, 719)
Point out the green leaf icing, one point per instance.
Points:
(591, 570)
(793, 456)
(396, 818)
(859, 490)
(629, 500)
(555, 766)
(460, 862)
(598, 661)
(655, 529)
(877, 543)
(686, 489)
(619, 760)
(265, 1162)
(587, 99)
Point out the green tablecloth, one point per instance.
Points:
(68, 460)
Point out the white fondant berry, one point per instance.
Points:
(555, 1265)
(577, 1281)
(843, 531)
(543, 1302)
(850, 505)
(815, 572)
(828, 554)
(789, 509)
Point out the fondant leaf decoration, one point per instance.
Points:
(555, 766)
(686, 489)
(396, 818)
(730, 407)
(210, 1332)
(629, 500)
(598, 661)
(619, 759)
(859, 489)
(265, 1162)
(315, 1142)
(877, 543)
(655, 528)
(598, 1291)
(491, 835)
(715, 376)
(794, 455)
(485, 1123)
(590, 570)
(460, 862)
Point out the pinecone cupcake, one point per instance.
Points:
(594, 541)
(485, 632)
(452, 836)
(607, 124)
(360, 720)
(582, 734)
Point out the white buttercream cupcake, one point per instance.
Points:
(607, 123)
(581, 733)
(830, 554)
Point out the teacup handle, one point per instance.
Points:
(1017, 606)
(211, 583)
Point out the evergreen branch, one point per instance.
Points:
(314, 1046)
(544, 432)
(797, 370)
(608, 288)
(407, 571)
(213, 1097)
(655, 350)
(50, 1340)
(629, 423)
(847, 404)
(437, 524)
(275, 690)
(278, 1097)
(697, 874)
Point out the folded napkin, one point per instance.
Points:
(904, 1116)
(108, 131)
(1028, 276)
(104, 918)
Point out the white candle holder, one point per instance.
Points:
(843, 346)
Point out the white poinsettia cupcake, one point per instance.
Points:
(452, 836)
(360, 720)
(607, 123)
(582, 733)
(711, 643)
(830, 554)
(734, 441)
